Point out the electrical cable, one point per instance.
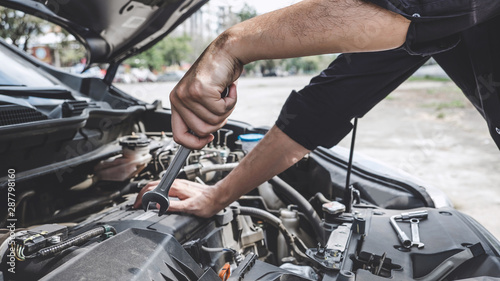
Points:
(75, 241)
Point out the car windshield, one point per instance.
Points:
(47, 42)
(15, 73)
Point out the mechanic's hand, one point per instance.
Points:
(196, 100)
(196, 199)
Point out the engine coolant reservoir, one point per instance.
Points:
(249, 141)
(135, 157)
(290, 219)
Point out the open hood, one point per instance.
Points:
(112, 30)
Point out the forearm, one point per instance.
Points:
(306, 28)
(274, 154)
(313, 27)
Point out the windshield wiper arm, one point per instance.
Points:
(48, 93)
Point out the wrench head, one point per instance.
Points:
(156, 197)
(419, 245)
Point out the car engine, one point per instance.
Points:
(89, 230)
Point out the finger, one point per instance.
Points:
(184, 189)
(178, 206)
(191, 207)
(213, 110)
(182, 135)
(231, 98)
(218, 105)
(138, 199)
(146, 188)
(205, 103)
(197, 125)
(200, 120)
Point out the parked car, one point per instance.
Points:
(143, 75)
(76, 150)
(171, 76)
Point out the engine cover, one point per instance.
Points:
(134, 254)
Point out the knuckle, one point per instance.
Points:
(176, 93)
(230, 106)
(177, 139)
(194, 91)
(220, 111)
(172, 98)
(204, 132)
(214, 120)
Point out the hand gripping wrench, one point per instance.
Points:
(415, 235)
(160, 193)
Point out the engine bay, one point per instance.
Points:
(302, 225)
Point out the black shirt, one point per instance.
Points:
(462, 36)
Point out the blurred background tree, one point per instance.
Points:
(18, 27)
(26, 31)
(167, 52)
(247, 12)
(282, 66)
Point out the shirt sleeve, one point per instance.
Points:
(436, 25)
(320, 114)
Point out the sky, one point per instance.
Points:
(262, 6)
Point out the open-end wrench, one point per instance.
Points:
(405, 241)
(160, 193)
(415, 235)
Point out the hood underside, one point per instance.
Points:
(112, 30)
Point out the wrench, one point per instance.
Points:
(407, 243)
(415, 235)
(160, 193)
(401, 234)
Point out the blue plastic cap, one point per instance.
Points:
(250, 137)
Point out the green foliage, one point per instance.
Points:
(71, 54)
(247, 12)
(20, 29)
(429, 78)
(176, 50)
(446, 104)
(169, 51)
(310, 64)
(18, 26)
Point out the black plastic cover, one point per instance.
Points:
(148, 255)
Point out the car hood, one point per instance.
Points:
(112, 30)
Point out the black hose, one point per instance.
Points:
(321, 198)
(75, 241)
(304, 206)
(261, 214)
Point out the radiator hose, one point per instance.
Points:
(304, 206)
